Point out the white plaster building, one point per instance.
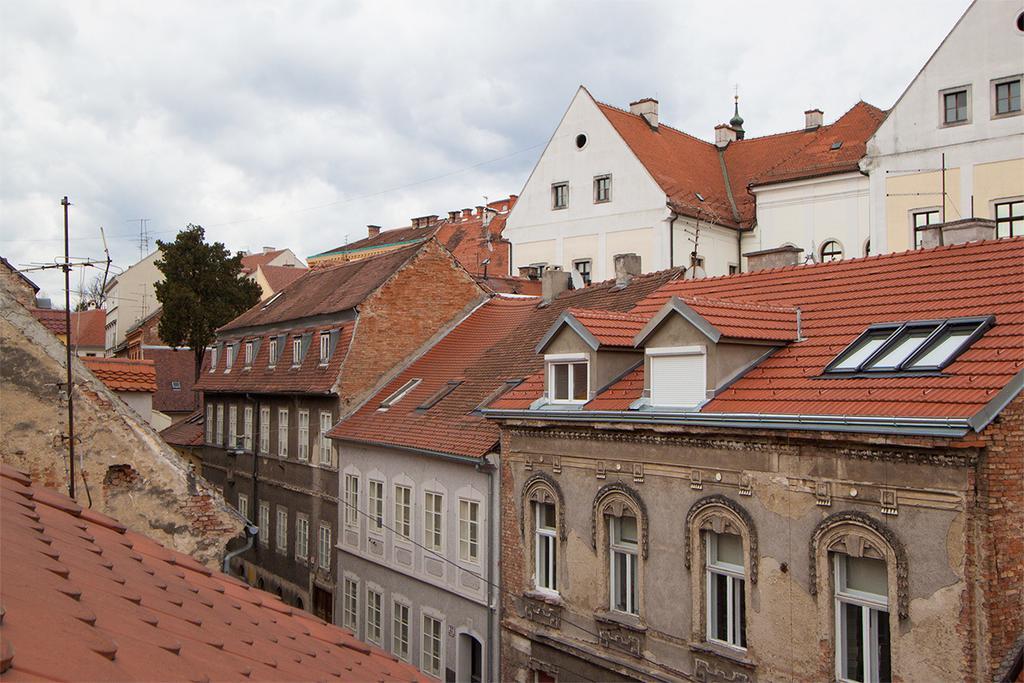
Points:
(130, 297)
(963, 110)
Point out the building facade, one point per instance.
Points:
(284, 372)
(952, 147)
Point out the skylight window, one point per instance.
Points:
(399, 394)
(439, 395)
(837, 144)
(917, 346)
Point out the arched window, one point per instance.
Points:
(862, 565)
(543, 512)
(723, 534)
(831, 250)
(620, 519)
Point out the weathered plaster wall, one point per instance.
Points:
(131, 474)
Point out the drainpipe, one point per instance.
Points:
(251, 531)
(672, 240)
(489, 468)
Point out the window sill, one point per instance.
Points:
(544, 596)
(630, 622)
(1007, 115)
(735, 656)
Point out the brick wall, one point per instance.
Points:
(424, 296)
(513, 557)
(1000, 547)
(16, 286)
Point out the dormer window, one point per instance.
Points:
(213, 358)
(296, 351)
(568, 378)
(272, 351)
(325, 347)
(248, 353)
(229, 356)
(678, 376)
(916, 346)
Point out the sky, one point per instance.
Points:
(296, 124)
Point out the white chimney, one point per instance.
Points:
(724, 134)
(813, 118)
(647, 108)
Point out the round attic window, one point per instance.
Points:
(581, 141)
(1020, 22)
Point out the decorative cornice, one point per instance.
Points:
(543, 480)
(604, 495)
(706, 506)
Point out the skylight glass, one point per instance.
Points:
(439, 395)
(909, 347)
(398, 395)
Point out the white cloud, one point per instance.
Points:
(221, 114)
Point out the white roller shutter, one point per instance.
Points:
(678, 380)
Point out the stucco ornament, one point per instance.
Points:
(860, 535)
(720, 514)
(617, 500)
(542, 488)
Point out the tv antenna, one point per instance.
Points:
(143, 236)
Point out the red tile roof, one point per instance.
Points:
(279, 277)
(123, 374)
(85, 599)
(608, 327)
(494, 344)
(173, 365)
(684, 166)
(88, 328)
(251, 262)
(52, 319)
(741, 320)
(187, 432)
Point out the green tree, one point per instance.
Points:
(201, 290)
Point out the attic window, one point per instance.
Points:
(678, 376)
(916, 346)
(325, 347)
(248, 353)
(836, 145)
(506, 386)
(213, 358)
(271, 300)
(581, 141)
(568, 378)
(439, 395)
(296, 351)
(699, 196)
(399, 394)
(272, 351)
(229, 357)
(175, 386)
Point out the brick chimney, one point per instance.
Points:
(512, 199)
(372, 230)
(724, 134)
(467, 213)
(424, 221)
(627, 267)
(553, 282)
(773, 258)
(813, 118)
(647, 108)
(453, 216)
(479, 211)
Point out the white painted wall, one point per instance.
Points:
(635, 219)
(983, 46)
(131, 297)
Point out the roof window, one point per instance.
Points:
(439, 395)
(271, 300)
(399, 394)
(917, 346)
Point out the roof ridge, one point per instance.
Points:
(752, 306)
(807, 130)
(660, 124)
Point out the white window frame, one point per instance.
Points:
(374, 617)
(302, 537)
(403, 511)
(282, 432)
(431, 662)
(219, 436)
(400, 629)
(281, 530)
(249, 345)
(351, 500)
(297, 351)
(469, 530)
(632, 568)
(243, 505)
(350, 604)
(736, 581)
(399, 393)
(695, 350)
(326, 446)
(247, 428)
(324, 546)
(264, 523)
(546, 536)
(264, 429)
(229, 357)
(873, 607)
(272, 352)
(209, 423)
(232, 426)
(432, 514)
(553, 359)
(213, 355)
(375, 505)
(303, 445)
(325, 347)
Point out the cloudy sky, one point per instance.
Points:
(296, 124)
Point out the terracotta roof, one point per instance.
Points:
(251, 262)
(494, 344)
(742, 320)
(394, 236)
(608, 327)
(173, 366)
(88, 328)
(332, 289)
(280, 277)
(684, 166)
(510, 285)
(85, 599)
(52, 319)
(187, 432)
(123, 374)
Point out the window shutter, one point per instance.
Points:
(678, 380)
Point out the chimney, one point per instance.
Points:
(813, 118)
(512, 199)
(423, 221)
(529, 272)
(467, 213)
(479, 211)
(724, 134)
(554, 281)
(647, 108)
(958, 232)
(453, 216)
(372, 230)
(778, 257)
(267, 250)
(627, 266)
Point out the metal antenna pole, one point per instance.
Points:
(67, 344)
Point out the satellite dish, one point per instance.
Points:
(694, 273)
(577, 279)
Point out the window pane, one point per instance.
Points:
(859, 354)
(884, 655)
(619, 561)
(579, 381)
(740, 619)
(866, 575)
(626, 530)
(943, 348)
(560, 373)
(902, 349)
(853, 642)
(730, 549)
(720, 604)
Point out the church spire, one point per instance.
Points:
(737, 121)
